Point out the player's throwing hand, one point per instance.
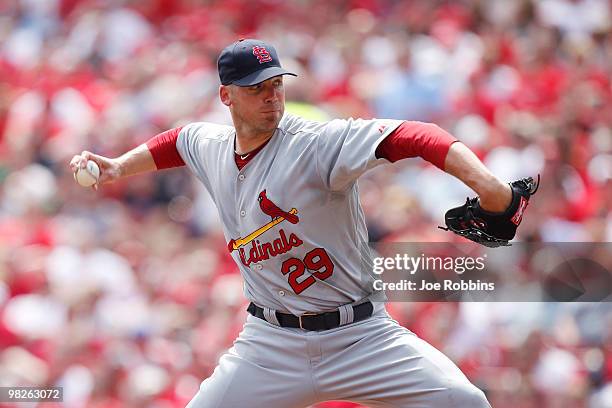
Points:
(110, 169)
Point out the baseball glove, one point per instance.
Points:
(491, 229)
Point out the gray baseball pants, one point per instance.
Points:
(375, 362)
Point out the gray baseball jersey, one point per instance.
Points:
(295, 227)
(292, 215)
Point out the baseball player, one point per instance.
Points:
(286, 191)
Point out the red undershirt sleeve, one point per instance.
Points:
(164, 151)
(416, 139)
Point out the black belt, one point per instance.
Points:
(313, 321)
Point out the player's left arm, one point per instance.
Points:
(434, 144)
(491, 219)
(494, 195)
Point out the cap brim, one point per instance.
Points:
(262, 75)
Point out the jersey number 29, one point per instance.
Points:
(316, 260)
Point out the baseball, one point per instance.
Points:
(88, 176)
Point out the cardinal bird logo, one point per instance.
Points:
(271, 209)
(277, 216)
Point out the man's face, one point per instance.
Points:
(260, 107)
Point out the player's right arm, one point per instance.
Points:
(158, 153)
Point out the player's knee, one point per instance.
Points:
(466, 395)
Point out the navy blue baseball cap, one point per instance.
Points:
(248, 62)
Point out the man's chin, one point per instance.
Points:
(271, 120)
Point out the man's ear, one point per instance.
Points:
(224, 95)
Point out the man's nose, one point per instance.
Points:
(272, 94)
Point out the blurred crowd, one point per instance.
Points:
(127, 296)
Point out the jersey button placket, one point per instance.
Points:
(241, 177)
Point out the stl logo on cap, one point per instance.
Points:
(262, 54)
